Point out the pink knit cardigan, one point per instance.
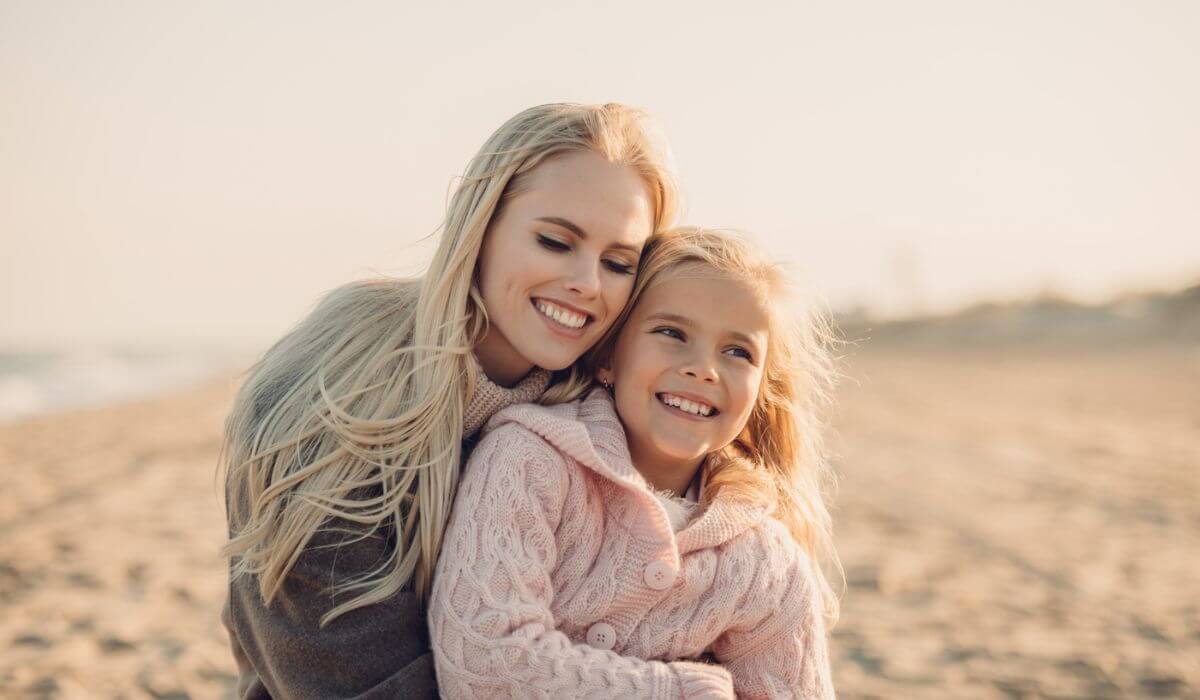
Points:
(560, 576)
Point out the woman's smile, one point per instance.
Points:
(567, 320)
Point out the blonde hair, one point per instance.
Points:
(779, 458)
(357, 413)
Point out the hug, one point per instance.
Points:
(580, 456)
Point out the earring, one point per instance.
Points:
(607, 385)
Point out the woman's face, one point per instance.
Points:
(687, 367)
(558, 262)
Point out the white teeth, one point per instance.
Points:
(561, 315)
(692, 407)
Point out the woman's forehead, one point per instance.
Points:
(598, 196)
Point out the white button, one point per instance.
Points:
(659, 575)
(602, 636)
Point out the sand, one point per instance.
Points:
(1012, 523)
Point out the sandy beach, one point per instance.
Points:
(1013, 524)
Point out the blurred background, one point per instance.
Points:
(997, 201)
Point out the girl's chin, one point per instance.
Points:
(676, 452)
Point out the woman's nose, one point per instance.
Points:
(585, 280)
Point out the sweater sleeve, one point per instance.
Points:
(781, 651)
(370, 653)
(490, 618)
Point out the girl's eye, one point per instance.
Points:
(552, 243)
(742, 352)
(669, 332)
(619, 267)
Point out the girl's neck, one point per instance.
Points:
(500, 360)
(665, 474)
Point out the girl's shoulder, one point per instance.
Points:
(541, 427)
(583, 430)
(772, 546)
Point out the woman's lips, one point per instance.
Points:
(557, 327)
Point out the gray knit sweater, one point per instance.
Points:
(380, 651)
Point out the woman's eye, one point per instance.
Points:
(742, 352)
(669, 332)
(619, 267)
(552, 243)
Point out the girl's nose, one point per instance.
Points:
(701, 369)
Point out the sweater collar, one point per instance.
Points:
(589, 432)
(488, 397)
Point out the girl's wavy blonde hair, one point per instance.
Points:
(353, 420)
(779, 458)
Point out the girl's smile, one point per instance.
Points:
(689, 405)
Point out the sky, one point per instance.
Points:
(177, 172)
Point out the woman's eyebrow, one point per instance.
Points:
(578, 231)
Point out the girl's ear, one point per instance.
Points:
(604, 375)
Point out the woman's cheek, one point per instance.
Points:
(618, 295)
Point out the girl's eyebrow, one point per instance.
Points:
(685, 321)
(578, 231)
(670, 317)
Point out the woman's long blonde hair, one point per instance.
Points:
(353, 420)
(780, 456)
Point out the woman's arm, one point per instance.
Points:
(489, 616)
(378, 651)
(782, 650)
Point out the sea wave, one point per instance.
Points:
(43, 382)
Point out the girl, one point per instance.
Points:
(344, 442)
(674, 514)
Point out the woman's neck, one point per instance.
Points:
(664, 473)
(500, 360)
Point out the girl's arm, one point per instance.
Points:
(489, 614)
(782, 650)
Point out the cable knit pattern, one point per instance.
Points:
(561, 576)
(489, 397)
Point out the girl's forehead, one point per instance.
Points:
(697, 282)
(722, 302)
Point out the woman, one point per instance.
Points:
(344, 444)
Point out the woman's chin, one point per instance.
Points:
(551, 360)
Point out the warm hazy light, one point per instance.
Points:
(200, 172)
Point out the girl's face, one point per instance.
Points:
(687, 367)
(557, 264)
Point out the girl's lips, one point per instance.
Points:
(680, 413)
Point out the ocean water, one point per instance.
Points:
(43, 382)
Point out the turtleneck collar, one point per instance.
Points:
(488, 397)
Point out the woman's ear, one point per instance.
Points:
(604, 375)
